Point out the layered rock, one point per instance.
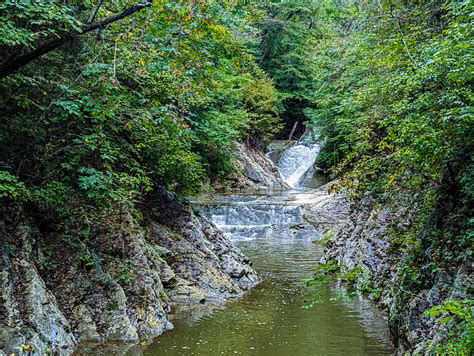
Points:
(118, 284)
(254, 170)
(368, 241)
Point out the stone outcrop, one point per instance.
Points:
(206, 264)
(324, 210)
(254, 170)
(366, 241)
(118, 284)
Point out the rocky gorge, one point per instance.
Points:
(368, 242)
(373, 243)
(208, 178)
(121, 285)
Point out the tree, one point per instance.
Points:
(43, 12)
(288, 35)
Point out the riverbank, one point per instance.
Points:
(375, 246)
(117, 286)
(272, 320)
(118, 281)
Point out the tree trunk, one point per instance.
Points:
(293, 130)
(14, 63)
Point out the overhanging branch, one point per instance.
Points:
(16, 62)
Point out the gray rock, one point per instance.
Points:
(365, 241)
(134, 274)
(254, 170)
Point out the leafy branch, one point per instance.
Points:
(15, 62)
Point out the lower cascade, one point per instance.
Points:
(255, 217)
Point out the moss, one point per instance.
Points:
(164, 295)
(175, 236)
(112, 306)
(328, 236)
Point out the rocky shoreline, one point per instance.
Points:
(365, 243)
(120, 284)
(118, 288)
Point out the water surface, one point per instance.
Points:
(271, 320)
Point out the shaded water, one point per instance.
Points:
(270, 319)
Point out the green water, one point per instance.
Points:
(270, 319)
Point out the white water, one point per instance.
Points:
(297, 160)
(272, 213)
(256, 218)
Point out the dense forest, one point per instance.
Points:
(104, 102)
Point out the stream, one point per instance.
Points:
(272, 318)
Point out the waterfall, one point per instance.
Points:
(258, 217)
(251, 220)
(297, 160)
(275, 213)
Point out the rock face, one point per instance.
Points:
(254, 170)
(366, 241)
(29, 311)
(120, 283)
(326, 211)
(205, 263)
(116, 285)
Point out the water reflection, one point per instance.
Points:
(270, 320)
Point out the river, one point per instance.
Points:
(271, 319)
(275, 318)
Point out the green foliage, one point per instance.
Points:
(262, 105)
(125, 271)
(158, 99)
(457, 317)
(164, 295)
(289, 31)
(11, 188)
(325, 273)
(326, 237)
(25, 23)
(393, 104)
(153, 100)
(328, 272)
(88, 260)
(394, 101)
(48, 260)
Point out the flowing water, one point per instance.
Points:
(298, 160)
(272, 319)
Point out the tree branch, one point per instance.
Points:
(96, 10)
(399, 27)
(15, 63)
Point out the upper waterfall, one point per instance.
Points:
(298, 159)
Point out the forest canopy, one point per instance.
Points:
(102, 100)
(155, 97)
